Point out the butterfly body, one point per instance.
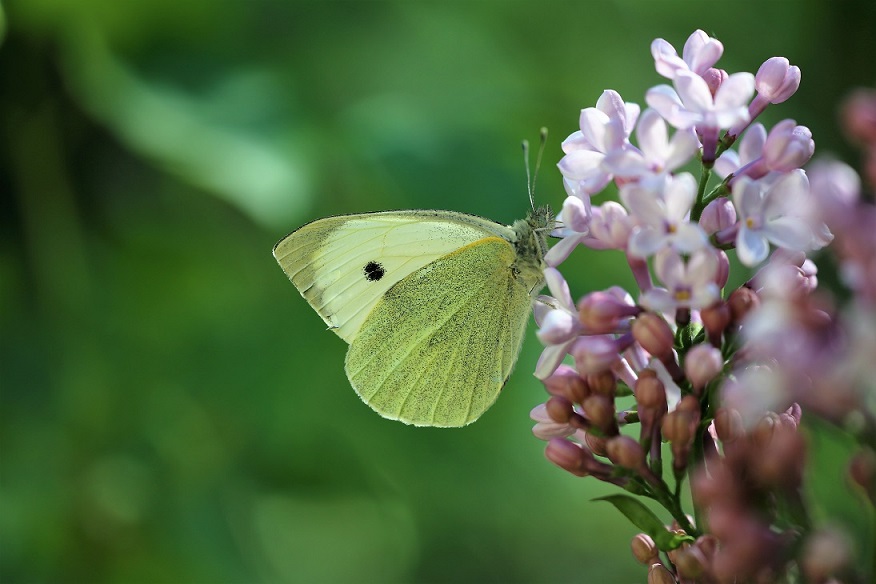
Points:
(434, 304)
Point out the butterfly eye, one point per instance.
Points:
(374, 271)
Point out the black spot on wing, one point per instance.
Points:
(374, 271)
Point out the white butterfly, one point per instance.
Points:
(434, 304)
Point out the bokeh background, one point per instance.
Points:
(171, 409)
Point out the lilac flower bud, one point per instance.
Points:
(596, 444)
(728, 425)
(654, 335)
(601, 312)
(650, 392)
(676, 428)
(859, 116)
(626, 452)
(742, 301)
(702, 364)
(658, 574)
(600, 411)
(827, 552)
(603, 383)
(862, 470)
(568, 456)
(689, 562)
(716, 319)
(718, 215)
(836, 189)
(777, 79)
(559, 409)
(723, 273)
(566, 382)
(594, 354)
(788, 146)
(644, 549)
(714, 78)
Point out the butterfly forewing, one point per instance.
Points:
(344, 265)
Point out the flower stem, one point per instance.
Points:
(701, 191)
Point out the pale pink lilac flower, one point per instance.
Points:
(545, 427)
(750, 148)
(787, 274)
(573, 227)
(662, 216)
(610, 226)
(771, 214)
(604, 129)
(690, 104)
(657, 154)
(558, 323)
(689, 284)
(788, 146)
(836, 189)
(700, 52)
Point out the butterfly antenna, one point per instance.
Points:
(542, 140)
(529, 185)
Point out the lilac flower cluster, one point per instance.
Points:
(722, 376)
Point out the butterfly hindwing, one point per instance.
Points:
(463, 316)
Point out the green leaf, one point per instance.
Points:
(644, 519)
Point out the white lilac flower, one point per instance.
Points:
(558, 323)
(689, 284)
(700, 52)
(657, 154)
(604, 129)
(662, 216)
(771, 213)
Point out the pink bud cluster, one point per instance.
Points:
(720, 376)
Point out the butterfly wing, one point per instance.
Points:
(439, 345)
(344, 265)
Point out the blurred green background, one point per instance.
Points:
(172, 410)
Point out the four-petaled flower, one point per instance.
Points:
(771, 213)
(689, 284)
(662, 216)
(604, 129)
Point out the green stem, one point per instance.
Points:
(701, 191)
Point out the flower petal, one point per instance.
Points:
(751, 247)
(788, 232)
(657, 300)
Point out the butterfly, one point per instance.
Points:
(434, 304)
